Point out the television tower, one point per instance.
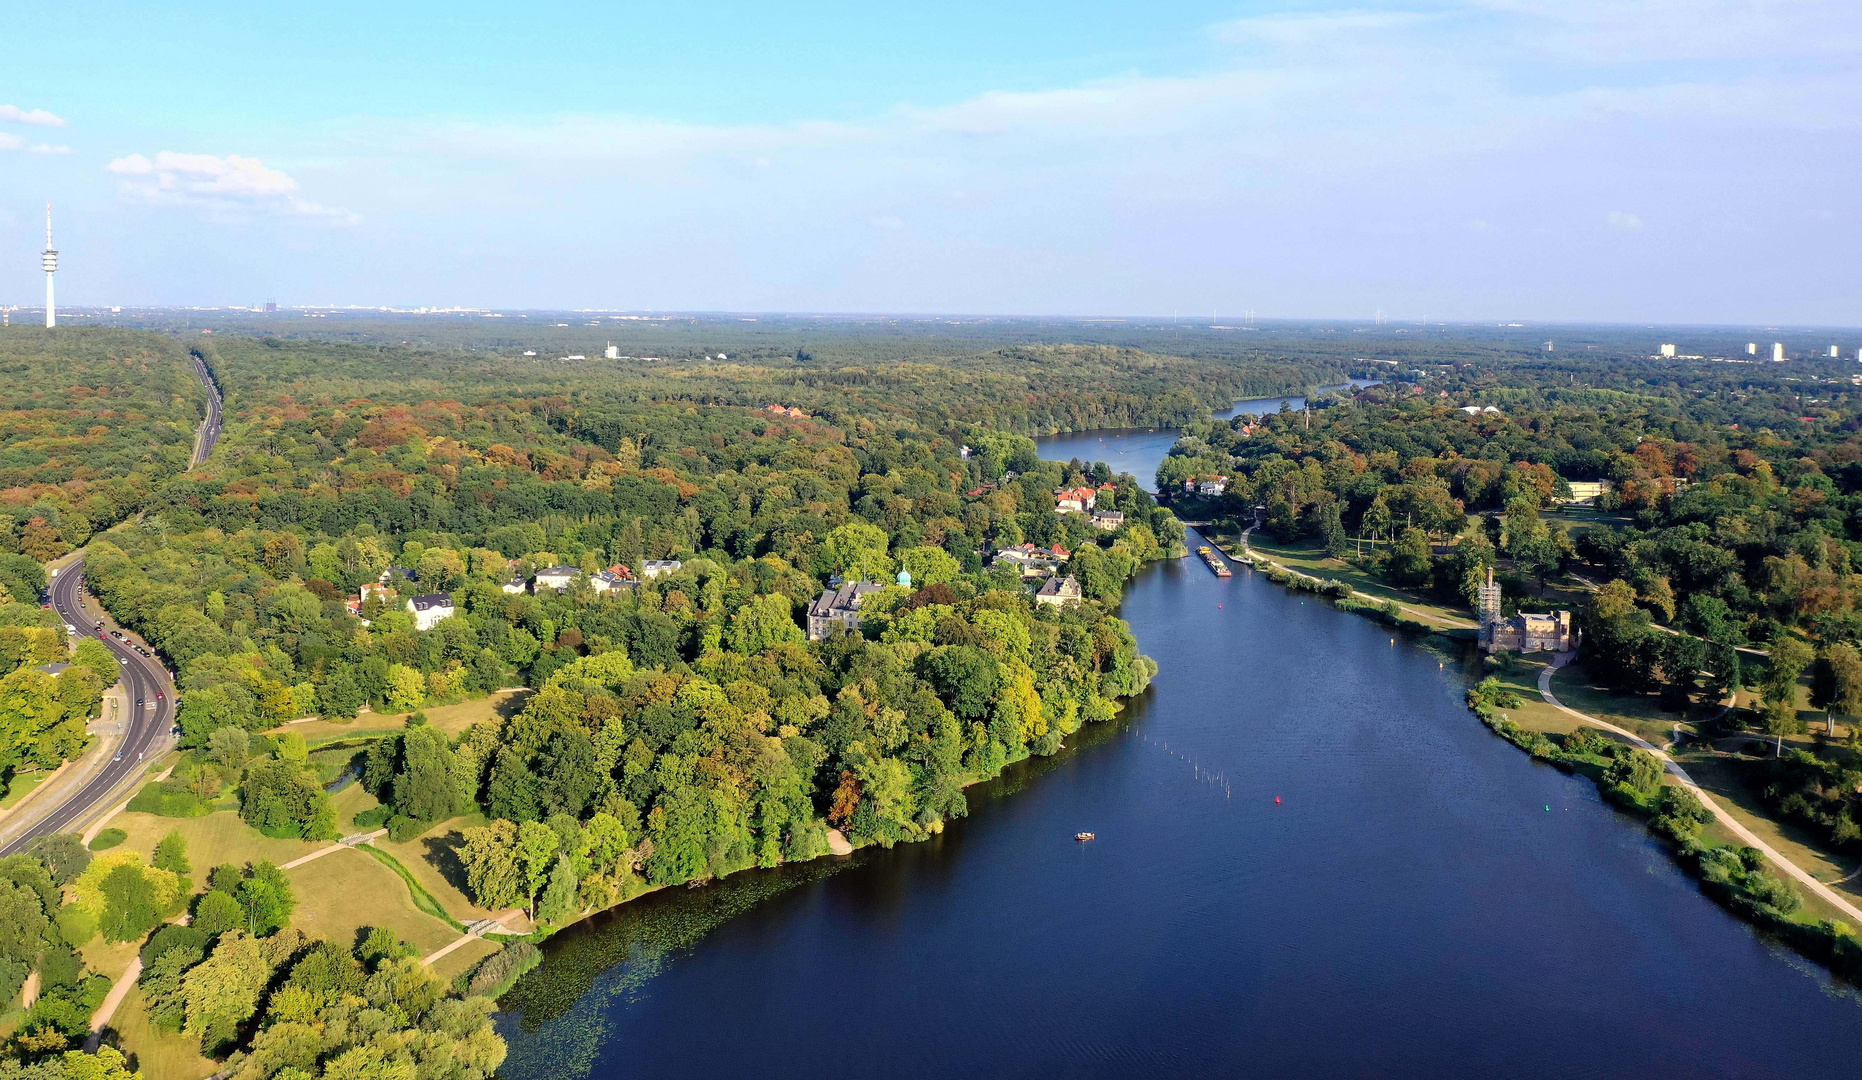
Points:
(50, 261)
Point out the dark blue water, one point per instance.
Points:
(1410, 909)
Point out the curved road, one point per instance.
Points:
(145, 682)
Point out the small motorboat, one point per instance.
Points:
(1082, 837)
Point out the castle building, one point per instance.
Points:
(838, 606)
(1547, 632)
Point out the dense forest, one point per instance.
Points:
(683, 726)
(90, 424)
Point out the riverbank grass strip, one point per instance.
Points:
(1652, 787)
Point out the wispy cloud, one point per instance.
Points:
(1623, 221)
(13, 143)
(222, 184)
(13, 114)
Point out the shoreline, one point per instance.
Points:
(1729, 875)
(1832, 943)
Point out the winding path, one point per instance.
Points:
(1835, 899)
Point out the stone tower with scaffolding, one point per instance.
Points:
(1525, 632)
(1487, 610)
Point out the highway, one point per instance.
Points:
(150, 690)
(151, 708)
(209, 428)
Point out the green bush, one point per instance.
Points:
(402, 828)
(495, 974)
(374, 818)
(108, 838)
(159, 799)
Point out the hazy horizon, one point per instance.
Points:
(1455, 161)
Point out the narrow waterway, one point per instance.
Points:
(1138, 450)
(1311, 861)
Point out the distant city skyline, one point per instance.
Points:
(1457, 160)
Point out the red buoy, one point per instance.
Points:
(1276, 800)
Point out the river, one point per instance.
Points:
(1312, 861)
(1138, 450)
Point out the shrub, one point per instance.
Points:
(495, 974)
(161, 800)
(374, 818)
(402, 828)
(107, 839)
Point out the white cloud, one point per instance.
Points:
(1618, 219)
(11, 142)
(13, 114)
(222, 184)
(887, 222)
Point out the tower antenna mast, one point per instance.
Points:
(50, 261)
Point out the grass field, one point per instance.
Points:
(220, 837)
(452, 719)
(1313, 560)
(348, 889)
(429, 857)
(21, 786)
(159, 1055)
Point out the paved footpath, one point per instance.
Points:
(1836, 899)
(474, 932)
(355, 840)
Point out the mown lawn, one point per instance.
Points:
(1313, 560)
(1639, 713)
(159, 1055)
(452, 719)
(220, 837)
(348, 889)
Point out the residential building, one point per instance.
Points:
(1058, 590)
(1777, 352)
(839, 606)
(1587, 491)
(1109, 520)
(1077, 500)
(515, 585)
(556, 577)
(653, 568)
(1212, 486)
(1668, 352)
(397, 573)
(1032, 561)
(603, 580)
(430, 609)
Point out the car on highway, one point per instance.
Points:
(117, 634)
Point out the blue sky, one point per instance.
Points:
(1566, 160)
